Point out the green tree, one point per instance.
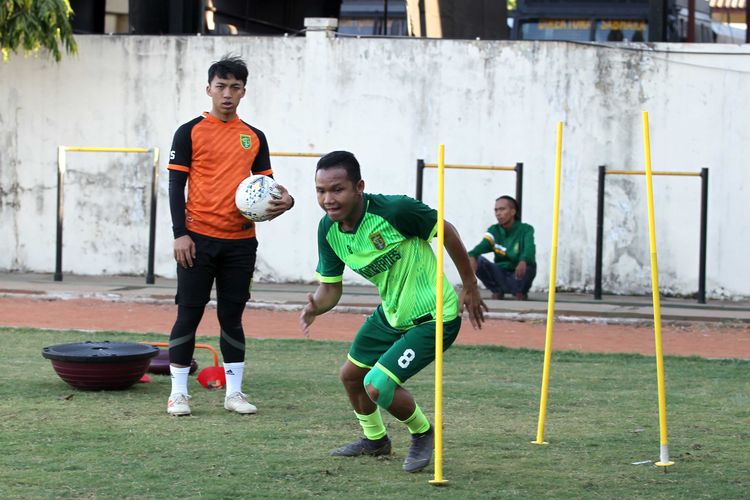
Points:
(34, 25)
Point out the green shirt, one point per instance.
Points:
(510, 246)
(389, 247)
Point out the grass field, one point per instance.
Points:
(602, 416)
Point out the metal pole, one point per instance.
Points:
(385, 17)
(422, 19)
(152, 222)
(420, 176)
(657, 21)
(704, 225)
(519, 187)
(599, 234)
(60, 205)
(691, 22)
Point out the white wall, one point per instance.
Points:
(391, 101)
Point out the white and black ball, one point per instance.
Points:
(254, 195)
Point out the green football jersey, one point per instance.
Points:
(510, 246)
(390, 248)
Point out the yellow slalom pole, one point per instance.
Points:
(438, 480)
(551, 297)
(664, 446)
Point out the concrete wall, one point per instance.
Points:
(391, 102)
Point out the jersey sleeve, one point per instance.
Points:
(181, 154)
(413, 218)
(330, 268)
(177, 183)
(262, 163)
(486, 245)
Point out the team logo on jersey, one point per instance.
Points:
(377, 240)
(245, 141)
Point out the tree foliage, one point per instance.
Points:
(36, 24)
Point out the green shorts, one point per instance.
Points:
(403, 353)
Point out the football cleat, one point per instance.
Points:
(237, 402)
(364, 446)
(420, 451)
(178, 405)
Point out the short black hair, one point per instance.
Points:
(512, 202)
(228, 65)
(343, 159)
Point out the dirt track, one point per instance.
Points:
(706, 340)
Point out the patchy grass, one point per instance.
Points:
(602, 416)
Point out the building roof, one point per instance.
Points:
(727, 4)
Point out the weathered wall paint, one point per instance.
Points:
(391, 102)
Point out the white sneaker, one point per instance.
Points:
(178, 405)
(237, 401)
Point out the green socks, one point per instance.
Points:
(372, 424)
(417, 423)
(374, 429)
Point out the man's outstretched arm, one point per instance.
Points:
(469, 298)
(325, 298)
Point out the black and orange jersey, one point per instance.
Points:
(217, 156)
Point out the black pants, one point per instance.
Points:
(231, 264)
(499, 280)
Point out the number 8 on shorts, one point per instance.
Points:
(406, 358)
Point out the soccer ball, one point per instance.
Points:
(253, 196)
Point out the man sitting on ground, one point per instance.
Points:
(512, 243)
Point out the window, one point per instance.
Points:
(617, 30)
(557, 29)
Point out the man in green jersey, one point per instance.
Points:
(385, 239)
(512, 243)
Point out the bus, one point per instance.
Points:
(610, 21)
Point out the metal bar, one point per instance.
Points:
(106, 150)
(599, 234)
(641, 172)
(60, 206)
(703, 174)
(703, 238)
(420, 178)
(657, 21)
(385, 17)
(61, 160)
(152, 222)
(302, 155)
(519, 187)
(472, 167)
